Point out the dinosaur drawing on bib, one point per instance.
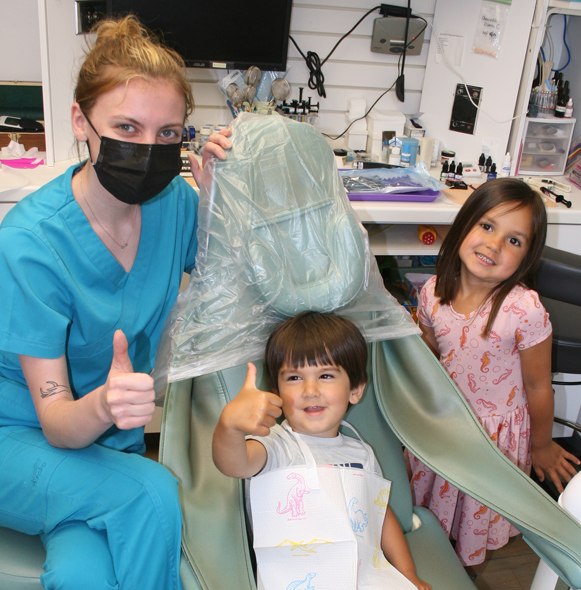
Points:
(304, 547)
(302, 584)
(357, 517)
(294, 499)
(378, 560)
(382, 500)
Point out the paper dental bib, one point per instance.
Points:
(319, 528)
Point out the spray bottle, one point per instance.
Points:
(505, 171)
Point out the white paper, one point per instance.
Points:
(491, 147)
(450, 49)
(327, 537)
(13, 149)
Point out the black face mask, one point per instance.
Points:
(135, 172)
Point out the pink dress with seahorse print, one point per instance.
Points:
(488, 372)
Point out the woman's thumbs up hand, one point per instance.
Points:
(127, 397)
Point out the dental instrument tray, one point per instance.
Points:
(395, 184)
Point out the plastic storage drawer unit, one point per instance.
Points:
(545, 146)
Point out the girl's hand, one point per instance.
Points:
(553, 460)
(216, 146)
(127, 398)
(547, 456)
(419, 584)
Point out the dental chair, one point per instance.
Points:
(297, 248)
(559, 285)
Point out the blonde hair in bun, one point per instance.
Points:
(124, 49)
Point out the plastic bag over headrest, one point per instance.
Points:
(276, 236)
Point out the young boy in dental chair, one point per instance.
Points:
(312, 481)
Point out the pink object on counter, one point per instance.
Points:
(23, 162)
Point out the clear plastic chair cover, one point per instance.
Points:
(277, 235)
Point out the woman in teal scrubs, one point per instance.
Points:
(89, 267)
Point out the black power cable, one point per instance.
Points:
(365, 115)
(400, 82)
(385, 91)
(314, 63)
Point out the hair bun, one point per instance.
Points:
(123, 29)
(123, 49)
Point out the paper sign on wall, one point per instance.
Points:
(490, 27)
(450, 49)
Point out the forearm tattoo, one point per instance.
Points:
(53, 389)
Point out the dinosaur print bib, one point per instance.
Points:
(318, 527)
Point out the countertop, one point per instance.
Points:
(440, 211)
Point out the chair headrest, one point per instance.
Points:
(276, 236)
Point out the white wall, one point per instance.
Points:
(19, 41)
(499, 77)
(61, 53)
(353, 70)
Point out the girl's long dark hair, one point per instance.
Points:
(500, 191)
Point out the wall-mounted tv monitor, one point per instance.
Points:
(226, 34)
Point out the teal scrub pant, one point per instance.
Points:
(108, 519)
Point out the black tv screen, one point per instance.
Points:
(225, 34)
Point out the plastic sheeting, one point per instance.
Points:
(276, 236)
(394, 180)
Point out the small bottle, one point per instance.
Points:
(492, 172)
(394, 156)
(452, 171)
(406, 154)
(458, 176)
(562, 100)
(444, 173)
(505, 171)
(569, 109)
(482, 162)
(205, 133)
(488, 164)
(385, 151)
(559, 83)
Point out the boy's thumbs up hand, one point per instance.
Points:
(250, 381)
(127, 397)
(252, 411)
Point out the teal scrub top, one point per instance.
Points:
(63, 292)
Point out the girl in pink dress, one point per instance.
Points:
(493, 336)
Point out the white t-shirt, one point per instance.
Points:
(283, 451)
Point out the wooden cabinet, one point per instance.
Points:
(28, 140)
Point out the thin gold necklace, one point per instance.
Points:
(122, 246)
